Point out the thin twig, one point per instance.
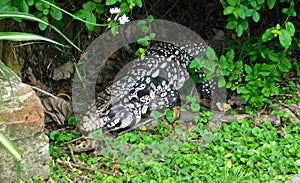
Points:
(43, 91)
(72, 153)
(170, 9)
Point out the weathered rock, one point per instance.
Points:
(294, 179)
(22, 120)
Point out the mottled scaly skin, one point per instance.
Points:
(149, 84)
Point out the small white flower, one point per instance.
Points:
(114, 10)
(124, 19)
(109, 19)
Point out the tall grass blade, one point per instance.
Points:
(10, 147)
(27, 16)
(21, 36)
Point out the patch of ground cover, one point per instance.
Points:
(240, 151)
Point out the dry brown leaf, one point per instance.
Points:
(35, 82)
(58, 109)
(63, 72)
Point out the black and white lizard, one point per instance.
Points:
(149, 84)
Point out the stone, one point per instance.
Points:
(294, 179)
(22, 120)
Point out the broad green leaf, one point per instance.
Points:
(55, 13)
(43, 26)
(45, 12)
(139, 3)
(273, 57)
(243, 90)
(46, 5)
(141, 23)
(191, 99)
(152, 35)
(236, 13)
(24, 6)
(271, 3)
(195, 107)
(211, 54)
(221, 82)
(114, 28)
(266, 92)
(54, 134)
(248, 69)
(125, 7)
(253, 4)
(143, 41)
(89, 6)
(90, 18)
(111, 2)
(222, 62)
(228, 85)
(30, 2)
(260, 1)
(81, 14)
(239, 65)
(145, 29)
(249, 77)
(39, 6)
(285, 39)
(210, 66)
(230, 55)
(169, 115)
(256, 16)
(268, 35)
(249, 12)
(241, 13)
(228, 10)
(100, 9)
(289, 11)
(233, 2)
(231, 24)
(21, 36)
(149, 18)
(140, 51)
(239, 30)
(274, 89)
(265, 70)
(245, 24)
(282, 67)
(5, 3)
(194, 64)
(289, 26)
(286, 62)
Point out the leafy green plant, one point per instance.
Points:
(285, 34)
(93, 10)
(207, 65)
(144, 41)
(259, 66)
(239, 11)
(42, 10)
(239, 151)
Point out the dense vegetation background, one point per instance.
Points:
(256, 44)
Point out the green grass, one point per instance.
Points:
(239, 152)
